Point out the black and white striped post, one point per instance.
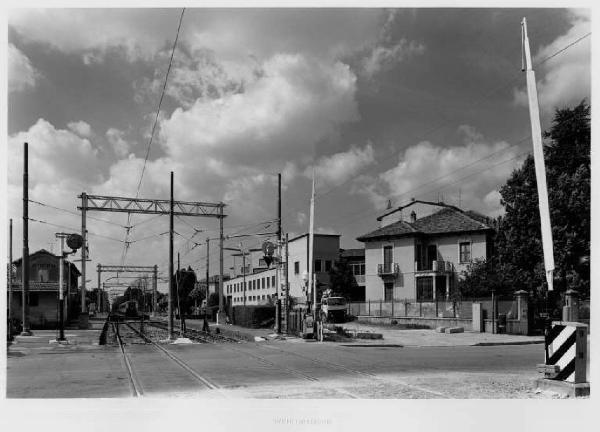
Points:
(566, 359)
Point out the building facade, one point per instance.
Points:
(420, 250)
(43, 288)
(262, 283)
(355, 260)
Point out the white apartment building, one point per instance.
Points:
(261, 282)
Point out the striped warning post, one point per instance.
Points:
(566, 345)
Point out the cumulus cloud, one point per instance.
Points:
(81, 128)
(426, 171)
(384, 57)
(279, 116)
(195, 75)
(120, 146)
(564, 80)
(139, 33)
(230, 147)
(385, 53)
(340, 167)
(55, 155)
(21, 73)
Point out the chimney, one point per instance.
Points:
(413, 217)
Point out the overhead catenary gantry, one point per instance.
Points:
(149, 206)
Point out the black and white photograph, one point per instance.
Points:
(347, 207)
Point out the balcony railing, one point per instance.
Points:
(388, 269)
(437, 266)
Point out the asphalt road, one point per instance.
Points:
(276, 369)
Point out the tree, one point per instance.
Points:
(518, 243)
(184, 282)
(482, 277)
(341, 280)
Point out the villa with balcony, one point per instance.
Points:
(420, 250)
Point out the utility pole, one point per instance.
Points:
(207, 272)
(243, 270)
(25, 261)
(61, 296)
(99, 300)
(10, 276)
(220, 290)
(170, 304)
(287, 285)
(278, 264)
(311, 248)
(83, 317)
(181, 323)
(154, 287)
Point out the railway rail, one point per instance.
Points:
(132, 335)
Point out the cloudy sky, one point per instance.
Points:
(385, 104)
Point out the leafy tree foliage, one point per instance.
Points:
(518, 262)
(184, 282)
(519, 243)
(341, 280)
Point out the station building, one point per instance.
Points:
(43, 289)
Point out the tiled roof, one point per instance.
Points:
(447, 220)
(399, 228)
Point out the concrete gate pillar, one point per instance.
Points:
(570, 310)
(522, 311)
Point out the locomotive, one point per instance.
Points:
(128, 309)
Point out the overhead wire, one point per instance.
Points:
(162, 94)
(486, 96)
(75, 213)
(74, 229)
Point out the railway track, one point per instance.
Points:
(136, 389)
(198, 335)
(204, 337)
(125, 330)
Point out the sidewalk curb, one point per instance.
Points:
(507, 343)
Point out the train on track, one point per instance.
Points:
(129, 309)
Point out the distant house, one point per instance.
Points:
(43, 288)
(420, 249)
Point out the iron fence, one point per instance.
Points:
(412, 308)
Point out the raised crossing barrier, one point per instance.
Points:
(566, 359)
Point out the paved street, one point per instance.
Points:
(270, 369)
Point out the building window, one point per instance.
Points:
(268, 283)
(424, 288)
(261, 262)
(387, 258)
(465, 252)
(327, 265)
(273, 281)
(297, 267)
(388, 291)
(263, 283)
(318, 266)
(358, 269)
